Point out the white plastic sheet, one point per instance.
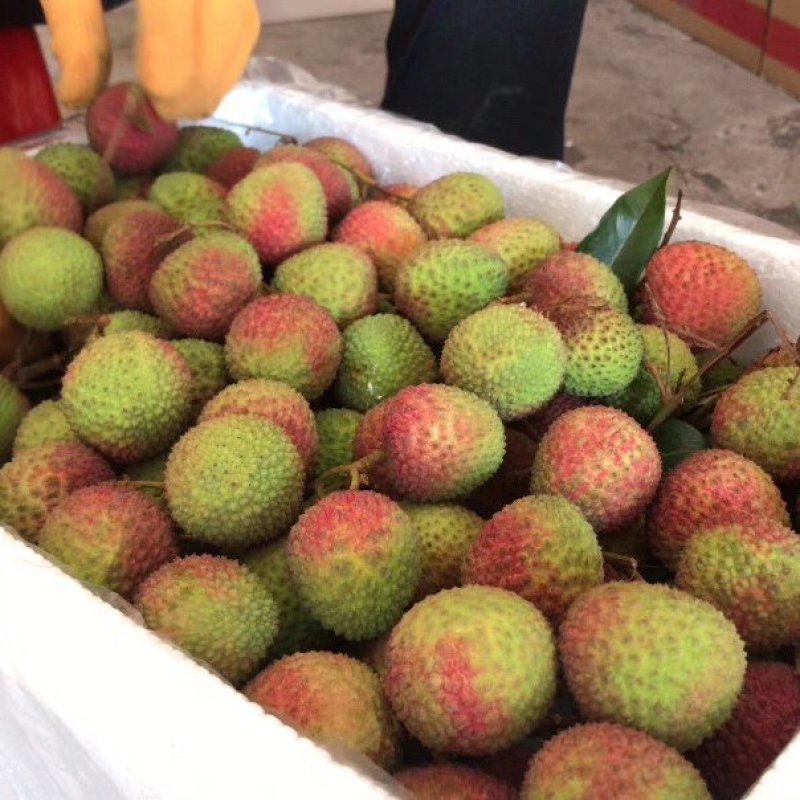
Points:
(95, 707)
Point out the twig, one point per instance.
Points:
(628, 562)
(357, 471)
(128, 107)
(676, 218)
(283, 137)
(678, 398)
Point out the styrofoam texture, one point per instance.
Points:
(94, 706)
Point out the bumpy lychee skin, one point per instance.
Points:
(446, 532)
(145, 139)
(671, 359)
(101, 220)
(332, 698)
(279, 209)
(32, 194)
(568, 275)
(471, 670)
(604, 346)
(342, 152)
(14, 407)
(215, 609)
(441, 442)
(272, 401)
(188, 197)
(133, 247)
(39, 478)
(335, 185)
(386, 233)
(47, 276)
(653, 658)
(200, 287)
(541, 548)
(522, 242)
(336, 431)
(382, 354)
(600, 759)
(456, 205)
(128, 395)
(45, 423)
(129, 320)
(298, 631)
(759, 417)
(199, 146)
(764, 721)
(206, 362)
(750, 572)
(232, 165)
(444, 282)
(701, 291)
(110, 535)
(355, 559)
(337, 276)
(234, 482)
(82, 169)
(285, 338)
(450, 781)
(712, 487)
(603, 461)
(511, 356)
(369, 439)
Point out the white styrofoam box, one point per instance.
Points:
(294, 10)
(95, 707)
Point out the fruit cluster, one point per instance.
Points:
(418, 477)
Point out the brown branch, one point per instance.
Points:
(676, 218)
(357, 471)
(627, 562)
(285, 138)
(678, 398)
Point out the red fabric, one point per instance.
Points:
(27, 101)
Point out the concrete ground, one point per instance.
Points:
(644, 96)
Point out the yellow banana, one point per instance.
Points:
(81, 47)
(189, 53)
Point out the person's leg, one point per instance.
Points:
(493, 72)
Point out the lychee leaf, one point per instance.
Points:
(677, 440)
(630, 231)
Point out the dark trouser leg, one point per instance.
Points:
(492, 71)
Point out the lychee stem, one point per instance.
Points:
(284, 138)
(54, 362)
(128, 107)
(669, 408)
(627, 562)
(145, 484)
(358, 472)
(676, 218)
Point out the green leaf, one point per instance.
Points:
(631, 230)
(677, 440)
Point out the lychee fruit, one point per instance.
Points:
(700, 291)
(653, 658)
(712, 487)
(287, 338)
(603, 461)
(522, 242)
(355, 559)
(471, 670)
(338, 277)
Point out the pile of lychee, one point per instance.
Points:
(422, 479)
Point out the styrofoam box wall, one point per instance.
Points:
(95, 707)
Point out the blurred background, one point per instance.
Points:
(645, 93)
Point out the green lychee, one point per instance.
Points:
(511, 356)
(206, 362)
(43, 424)
(382, 354)
(198, 147)
(188, 198)
(234, 482)
(47, 276)
(336, 431)
(82, 170)
(215, 609)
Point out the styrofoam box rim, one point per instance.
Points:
(96, 706)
